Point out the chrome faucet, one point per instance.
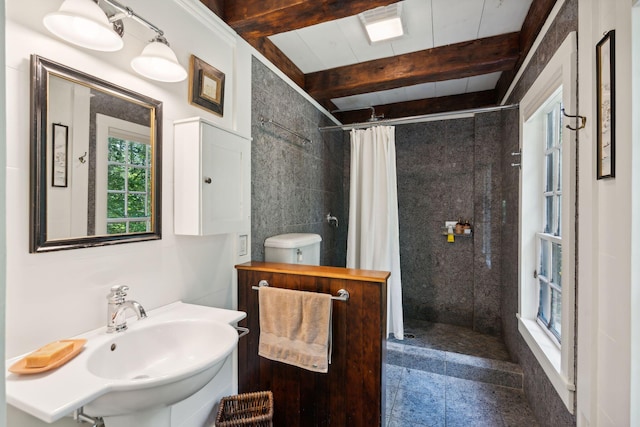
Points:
(116, 320)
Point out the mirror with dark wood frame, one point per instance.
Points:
(96, 161)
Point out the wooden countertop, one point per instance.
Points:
(315, 270)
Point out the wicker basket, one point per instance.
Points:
(247, 409)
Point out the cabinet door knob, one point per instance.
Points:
(207, 180)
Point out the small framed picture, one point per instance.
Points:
(206, 86)
(60, 145)
(606, 106)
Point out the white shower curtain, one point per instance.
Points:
(373, 241)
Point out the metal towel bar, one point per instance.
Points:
(343, 294)
(283, 127)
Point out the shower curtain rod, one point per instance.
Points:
(423, 118)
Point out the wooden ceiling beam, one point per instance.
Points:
(216, 6)
(455, 61)
(255, 19)
(421, 107)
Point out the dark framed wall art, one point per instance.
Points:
(59, 148)
(606, 107)
(206, 86)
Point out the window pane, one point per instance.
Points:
(559, 170)
(558, 231)
(560, 124)
(115, 177)
(117, 150)
(549, 214)
(549, 172)
(556, 260)
(543, 307)
(137, 153)
(116, 228)
(137, 179)
(115, 205)
(544, 258)
(137, 226)
(136, 206)
(556, 310)
(550, 127)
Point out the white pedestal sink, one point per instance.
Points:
(157, 365)
(132, 377)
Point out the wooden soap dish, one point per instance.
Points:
(20, 367)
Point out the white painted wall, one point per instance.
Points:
(57, 295)
(3, 203)
(635, 208)
(606, 230)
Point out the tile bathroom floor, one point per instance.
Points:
(426, 384)
(456, 339)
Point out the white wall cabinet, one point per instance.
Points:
(211, 179)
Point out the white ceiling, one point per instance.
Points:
(428, 24)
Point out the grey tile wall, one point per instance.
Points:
(449, 170)
(487, 240)
(294, 184)
(544, 401)
(435, 184)
(509, 224)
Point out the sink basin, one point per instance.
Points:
(131, 378)
(158, 364)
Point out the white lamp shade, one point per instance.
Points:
(83, 23)
(158, 62)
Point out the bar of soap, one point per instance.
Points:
(48, 354)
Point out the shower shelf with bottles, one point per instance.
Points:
(460, 228)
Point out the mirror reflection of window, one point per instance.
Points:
(128, 186)
(123, 177)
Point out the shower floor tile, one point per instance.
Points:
(449, 376)
(456, 339)
(423, 399)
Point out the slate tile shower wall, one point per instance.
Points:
(450, 170)
(543, 399)
(294, 184)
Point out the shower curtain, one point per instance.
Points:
(373, 241)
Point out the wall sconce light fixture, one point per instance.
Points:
(86, 24)
(383, 23)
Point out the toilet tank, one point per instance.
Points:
(293, 248)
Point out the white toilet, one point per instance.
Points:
(293, 248)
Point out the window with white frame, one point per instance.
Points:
(546, 314)
(549, 272)
(128, 186)
(123, 176)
